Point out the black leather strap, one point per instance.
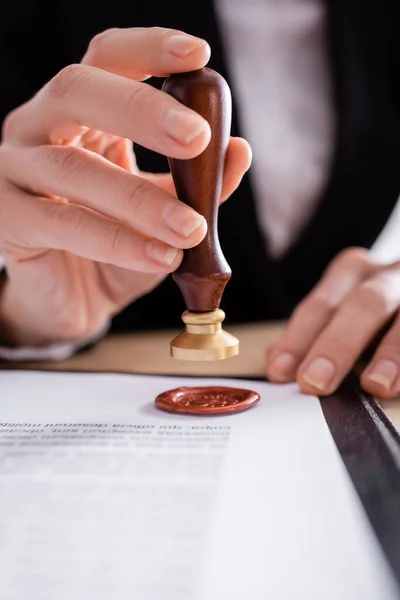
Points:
(370, 448)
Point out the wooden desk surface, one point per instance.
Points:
(149, 353)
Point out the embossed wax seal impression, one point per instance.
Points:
(211, 400)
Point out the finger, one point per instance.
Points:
(161, 180)
(347, 335)
(92, 181)
(117, 150)
(63, 226)
(238, 161)
(121, 153)
(140, 52)
(100, 144)
(315, 312)
(83, 95)
(381, 377)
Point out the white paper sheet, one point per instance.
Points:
(102, 496)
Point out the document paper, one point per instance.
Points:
(105, 497)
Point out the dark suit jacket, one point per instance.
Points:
(38, 38)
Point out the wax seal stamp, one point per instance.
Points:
(204, 271)
(208, 400)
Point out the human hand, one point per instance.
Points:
(83, 231)
(333, 326)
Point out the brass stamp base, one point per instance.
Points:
(204, 338)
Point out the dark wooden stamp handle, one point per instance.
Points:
(204, 272)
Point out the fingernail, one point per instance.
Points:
(162, 253)
(384, 372)
(283, 366)
(182, 220)
(184, 126)
(320, 374)
(183, 45)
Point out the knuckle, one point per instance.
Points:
(66, 161)
(98, 41)
(10, 123)
(370, 297)
(70, 79)
(354, 255)
(136, 99)
(133, 197)
(113, 240)
(160, 32)
(316, 304)
(68, 222)
(152, 38)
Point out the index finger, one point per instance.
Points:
(107, 100)
(354, 326)
(315, 312)
(140, 52)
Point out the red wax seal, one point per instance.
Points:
(209, 400)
